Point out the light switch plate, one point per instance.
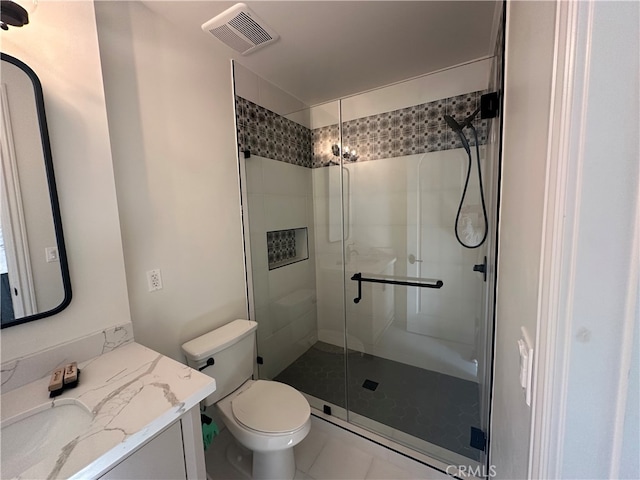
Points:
(51, 254)
(525, 348)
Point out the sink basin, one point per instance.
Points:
(26, 440)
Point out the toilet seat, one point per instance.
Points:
(271, 407)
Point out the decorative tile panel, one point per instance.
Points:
(407, 131)
(281, 247)
(322, 139)
(269, 135)
(411, 130)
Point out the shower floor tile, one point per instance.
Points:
(432, 406)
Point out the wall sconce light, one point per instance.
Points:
(349, 156)
(15, 15)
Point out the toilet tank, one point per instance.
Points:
(226, 354)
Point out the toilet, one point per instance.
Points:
(269, 418)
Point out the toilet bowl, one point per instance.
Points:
(269, 418)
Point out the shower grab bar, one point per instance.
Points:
(407, 281)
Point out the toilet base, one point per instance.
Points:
(277, 465)
(240, 458)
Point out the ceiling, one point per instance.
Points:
(333, 49)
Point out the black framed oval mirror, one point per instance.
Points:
(33, 258)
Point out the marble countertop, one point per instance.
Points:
(132, 393)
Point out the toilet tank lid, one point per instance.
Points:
(211, 343)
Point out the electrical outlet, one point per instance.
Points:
(154, 280)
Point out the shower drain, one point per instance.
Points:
(370, 385)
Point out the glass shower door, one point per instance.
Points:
(412, 348)
(291, 188)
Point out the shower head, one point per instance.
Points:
(456, 127)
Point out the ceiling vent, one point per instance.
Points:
(241, 29)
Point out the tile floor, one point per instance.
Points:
(434, 407)
(331, 453)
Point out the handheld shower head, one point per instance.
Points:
(456, 127)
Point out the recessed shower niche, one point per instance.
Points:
(285, 247)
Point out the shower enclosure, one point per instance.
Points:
(365, 300)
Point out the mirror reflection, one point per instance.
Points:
(33, 267)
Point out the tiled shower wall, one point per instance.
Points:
(408, 131)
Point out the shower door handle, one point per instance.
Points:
(482, 268)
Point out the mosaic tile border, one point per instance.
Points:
(269, 135)
(322, 139)
(407, 131)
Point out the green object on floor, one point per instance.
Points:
(209, 431)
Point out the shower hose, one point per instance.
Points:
(464, 193)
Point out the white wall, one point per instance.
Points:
(586, 409)
(453, 81)
(171, 120)
(257, 90)
(629, 457)
(603, 296)
(60, 44)
(528, 77)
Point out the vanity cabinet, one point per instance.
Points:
(161, 458)
(175, 453)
